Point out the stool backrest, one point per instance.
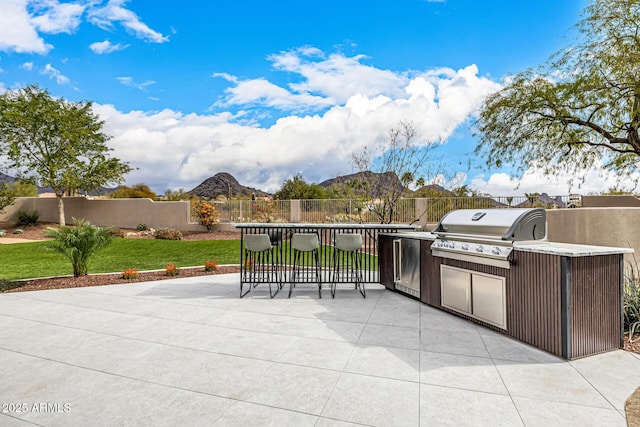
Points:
(348, 241)
(305, 242)
(257, 242)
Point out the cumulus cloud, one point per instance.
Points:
(534, 180)
(17, 32)
(23, 21)
(28, 66)
(106, 46)
(53, 17)
(181, 150)
(54, 74)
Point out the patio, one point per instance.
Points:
(190, 352)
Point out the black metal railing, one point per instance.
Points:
(305, 269)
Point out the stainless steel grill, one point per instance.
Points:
(486, 236)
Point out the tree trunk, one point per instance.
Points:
(61, 221)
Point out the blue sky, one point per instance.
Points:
(265, 90)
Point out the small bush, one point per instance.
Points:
(171, 270)
(130, 273)
(27, 218)
(142, 227)
(78, 243)
(7, 285)
(116, 232)
(631, 301)
(207, 214)
(167, 234)
(3, 233)
(211, 265)
(18, 231)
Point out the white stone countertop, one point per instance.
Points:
(567, 249)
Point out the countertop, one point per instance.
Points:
(538, 246)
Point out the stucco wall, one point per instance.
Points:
(619, 227)
(610, 201)
(124, 213)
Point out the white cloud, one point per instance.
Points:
(28, 66)
(53, 73)
(128, 81)
(54, 17)
(171, 147)
(106, 47)
(17, 32)
(114, 11)
(596, 180)
(22, 22)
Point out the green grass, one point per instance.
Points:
(30, 260)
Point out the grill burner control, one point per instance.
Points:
(479, 248)
(496, 251)
(465, 247)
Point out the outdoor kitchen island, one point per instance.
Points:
(562, 298)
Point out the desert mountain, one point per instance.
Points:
(224, 184)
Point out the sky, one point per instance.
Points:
(268, 90)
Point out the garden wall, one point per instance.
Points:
(612, 226)
(123, 213)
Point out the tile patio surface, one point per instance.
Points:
(190, 352)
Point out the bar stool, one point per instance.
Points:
(347, 247)
(303, 243)
(259, 264)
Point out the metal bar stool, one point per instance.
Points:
(347, 248)
(305, 243)
(260, 264)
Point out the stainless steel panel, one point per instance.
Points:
(455, 286)
(478, 259)
(488, 299)
(406, 253)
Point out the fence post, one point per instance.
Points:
(295, 210)
(421, 211)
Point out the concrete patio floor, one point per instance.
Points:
(190, 352)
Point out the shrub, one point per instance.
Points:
(206, 213)
(631, 301)
(211, 265)
(171, 270)
(27, 218)
(167, 234)
(78, 243)
(7, 285)
(18, 231)
(3, 233)
(141, 227)
(130, 273)
(116, 232)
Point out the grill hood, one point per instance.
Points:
(499, 224)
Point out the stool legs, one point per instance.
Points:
(297, 255)
(260, 268)
(352, 267)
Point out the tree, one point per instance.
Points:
(138, 191)
(580, 109)
(58, 142)
(297, 188)
(6, 196)
(398, 155)
(78, 243)
(177, 195)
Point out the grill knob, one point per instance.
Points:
(496, 251)
(465, 247)
(451, 245)
(479, 248)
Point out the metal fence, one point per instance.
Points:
(406, 211)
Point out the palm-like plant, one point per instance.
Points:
(78, 243)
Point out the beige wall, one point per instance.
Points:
(123, 213)
(619, 227)
(610, 201)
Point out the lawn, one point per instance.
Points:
(30, 260)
